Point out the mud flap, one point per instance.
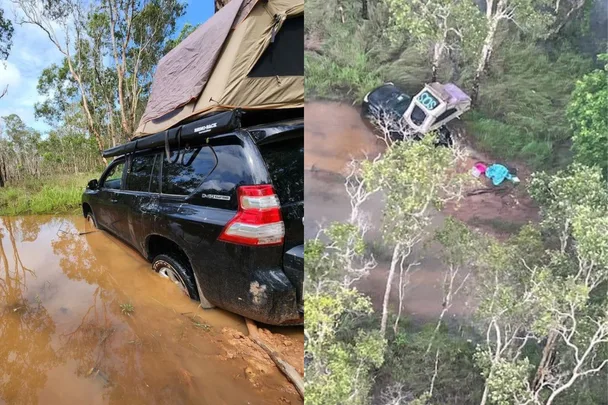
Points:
(204, 303)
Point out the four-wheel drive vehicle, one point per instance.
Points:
(217, 209)
(433, 107)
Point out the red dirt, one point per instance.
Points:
(495, 213)
(240, 346)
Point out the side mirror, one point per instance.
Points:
(93, 184)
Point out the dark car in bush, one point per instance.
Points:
(217, 212)
(429, 110)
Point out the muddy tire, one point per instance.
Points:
(176, 271)
(91, 221)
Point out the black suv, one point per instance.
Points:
(217, 209)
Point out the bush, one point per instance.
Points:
(58, 195)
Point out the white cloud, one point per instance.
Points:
(32, 51)
(9, 75)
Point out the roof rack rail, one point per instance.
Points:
(208, 126)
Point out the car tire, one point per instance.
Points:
(91, 221)
(176, 271)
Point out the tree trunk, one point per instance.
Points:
(486, 52)
(389, 283)
(1, 173)
(545, 361)
(437, 51)
(364, 12)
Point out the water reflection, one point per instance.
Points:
(26, 328)
(65, 339)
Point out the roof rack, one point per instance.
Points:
(208, 126)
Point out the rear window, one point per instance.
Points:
(285, 162)
(185, 170)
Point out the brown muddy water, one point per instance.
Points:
(65, 339)
(334, 134)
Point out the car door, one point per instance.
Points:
(110, 186)
(140, 198)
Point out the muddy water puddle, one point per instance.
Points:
(334, 134)
(83, 319)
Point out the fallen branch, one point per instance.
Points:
(286, 368)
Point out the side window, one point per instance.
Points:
(285, 162)
(140, 171)
(445, 114)
(186, 170)
(155, 179)
(113, 178)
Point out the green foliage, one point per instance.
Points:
(446, 24)
(588, 115)
(187, 29)
(522, 110)
(55, 195)
(338, 370)
(6, 36)
(343, 65)
(411, 175)
(127, 308)
(574, 202)
(507, 381)
(458, 380)
(350, 77)
(339, 359)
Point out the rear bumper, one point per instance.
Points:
(245, 281)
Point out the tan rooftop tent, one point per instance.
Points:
(249, 55)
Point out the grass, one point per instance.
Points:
(48, 195)
(499, 225)
(204, 326)
(127, 308)
(332, 80)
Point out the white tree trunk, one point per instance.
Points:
(397, 252)
(488, 45)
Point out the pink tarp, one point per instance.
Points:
(183, 73)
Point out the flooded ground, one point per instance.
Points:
(334, 135)
(83, 319)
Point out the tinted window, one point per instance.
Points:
(285, 162)
(138, 176)
(285, 55)
(383, 93)
(186, 170)
(113, 178)
(446, 114)
(155, 179)
(418, 116)
(400, 103)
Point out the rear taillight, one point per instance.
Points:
(258, 221)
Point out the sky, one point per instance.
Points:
(32, 52)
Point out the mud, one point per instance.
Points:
(67, 337)
(334, 135)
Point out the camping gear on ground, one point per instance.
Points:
(249, 55)
(478, 169)
(498, 173)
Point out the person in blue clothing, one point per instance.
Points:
(499, 173)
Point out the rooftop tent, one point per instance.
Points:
(249, 55)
